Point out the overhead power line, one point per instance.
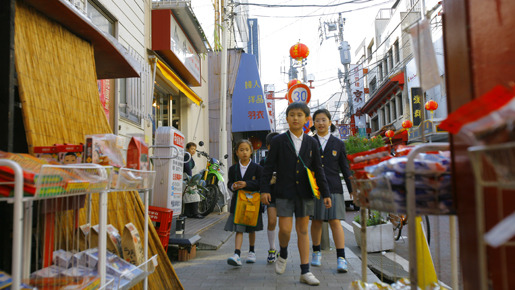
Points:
(303, 5)
(325, 14)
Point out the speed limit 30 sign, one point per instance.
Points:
(299, 93)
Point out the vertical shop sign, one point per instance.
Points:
(249, 109)
(104, 89)
(416, 105)
(358, 97)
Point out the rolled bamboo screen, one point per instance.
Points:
(60, 103)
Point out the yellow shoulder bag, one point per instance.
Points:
(247, 208)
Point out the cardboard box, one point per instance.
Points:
(185, 255)
(137, 154)
(48, 153)
(69, 153)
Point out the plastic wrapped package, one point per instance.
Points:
(62, 258)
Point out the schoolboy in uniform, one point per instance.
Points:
(288, 152)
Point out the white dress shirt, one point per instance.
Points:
(243, 169)
(297, 142)
(323, 140)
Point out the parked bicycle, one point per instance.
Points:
(215, 192)
(400, 220)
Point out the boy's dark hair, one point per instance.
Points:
(298, 105)
(71, 154)
(327, 113)
(188, 146)
(269, 137)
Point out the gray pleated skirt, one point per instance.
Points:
(337, 210)
(230, 226)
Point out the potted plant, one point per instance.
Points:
(356, 144)
(379, 232)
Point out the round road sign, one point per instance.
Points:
(299, 93)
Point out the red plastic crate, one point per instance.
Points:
(165, 240)
(161, 218)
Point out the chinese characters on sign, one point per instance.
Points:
(416, 105)
(249, 106)
(358, 96)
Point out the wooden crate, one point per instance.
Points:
(185, 255)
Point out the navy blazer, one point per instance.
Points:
(292, 179)
(334, 160)
(252, 178)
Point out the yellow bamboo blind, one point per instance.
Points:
(60, 104)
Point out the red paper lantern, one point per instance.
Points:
(407, 124)
(431, 105)
(293, 82)
(389, 134)
(256, 142)
(299, 51)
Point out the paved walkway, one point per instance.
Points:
(209, 270)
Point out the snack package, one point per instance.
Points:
(105, 149)
(114, 240)
(137, 154)
(84, 232)
(48, 272)
(116, 266)
(487, 120)
(48, 153)
(132, 245)
(62, 258)
(69, 153)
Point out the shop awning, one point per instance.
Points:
(112, 60)
(176, 81)
(385, 91)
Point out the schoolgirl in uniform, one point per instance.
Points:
(334, 160)
(244, 175)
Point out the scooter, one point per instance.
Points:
(215, 193)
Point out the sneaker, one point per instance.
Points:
(272, 256)
(251, 258)
(309, 279)
(316, 259)
(234, 260)
(342, 265)
(280, 265)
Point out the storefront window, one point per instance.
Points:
(161, 107)
(100, 18)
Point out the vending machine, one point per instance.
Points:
(168, 161)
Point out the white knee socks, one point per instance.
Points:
(271, 238)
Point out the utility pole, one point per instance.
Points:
(345, 60)
(222, 137)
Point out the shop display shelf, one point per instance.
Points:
(494, 172)
(147, 268)
(369, 191)
(57, 181)
(132, 179)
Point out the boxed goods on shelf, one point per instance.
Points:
(48, 153)
(114, 240)
(69, 153)
(137, 154)
(132, 246)
(106, 150)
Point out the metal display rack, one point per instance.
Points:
(53, 182)
(493, 168)
(364, 200)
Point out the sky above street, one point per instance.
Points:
(282, 27)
